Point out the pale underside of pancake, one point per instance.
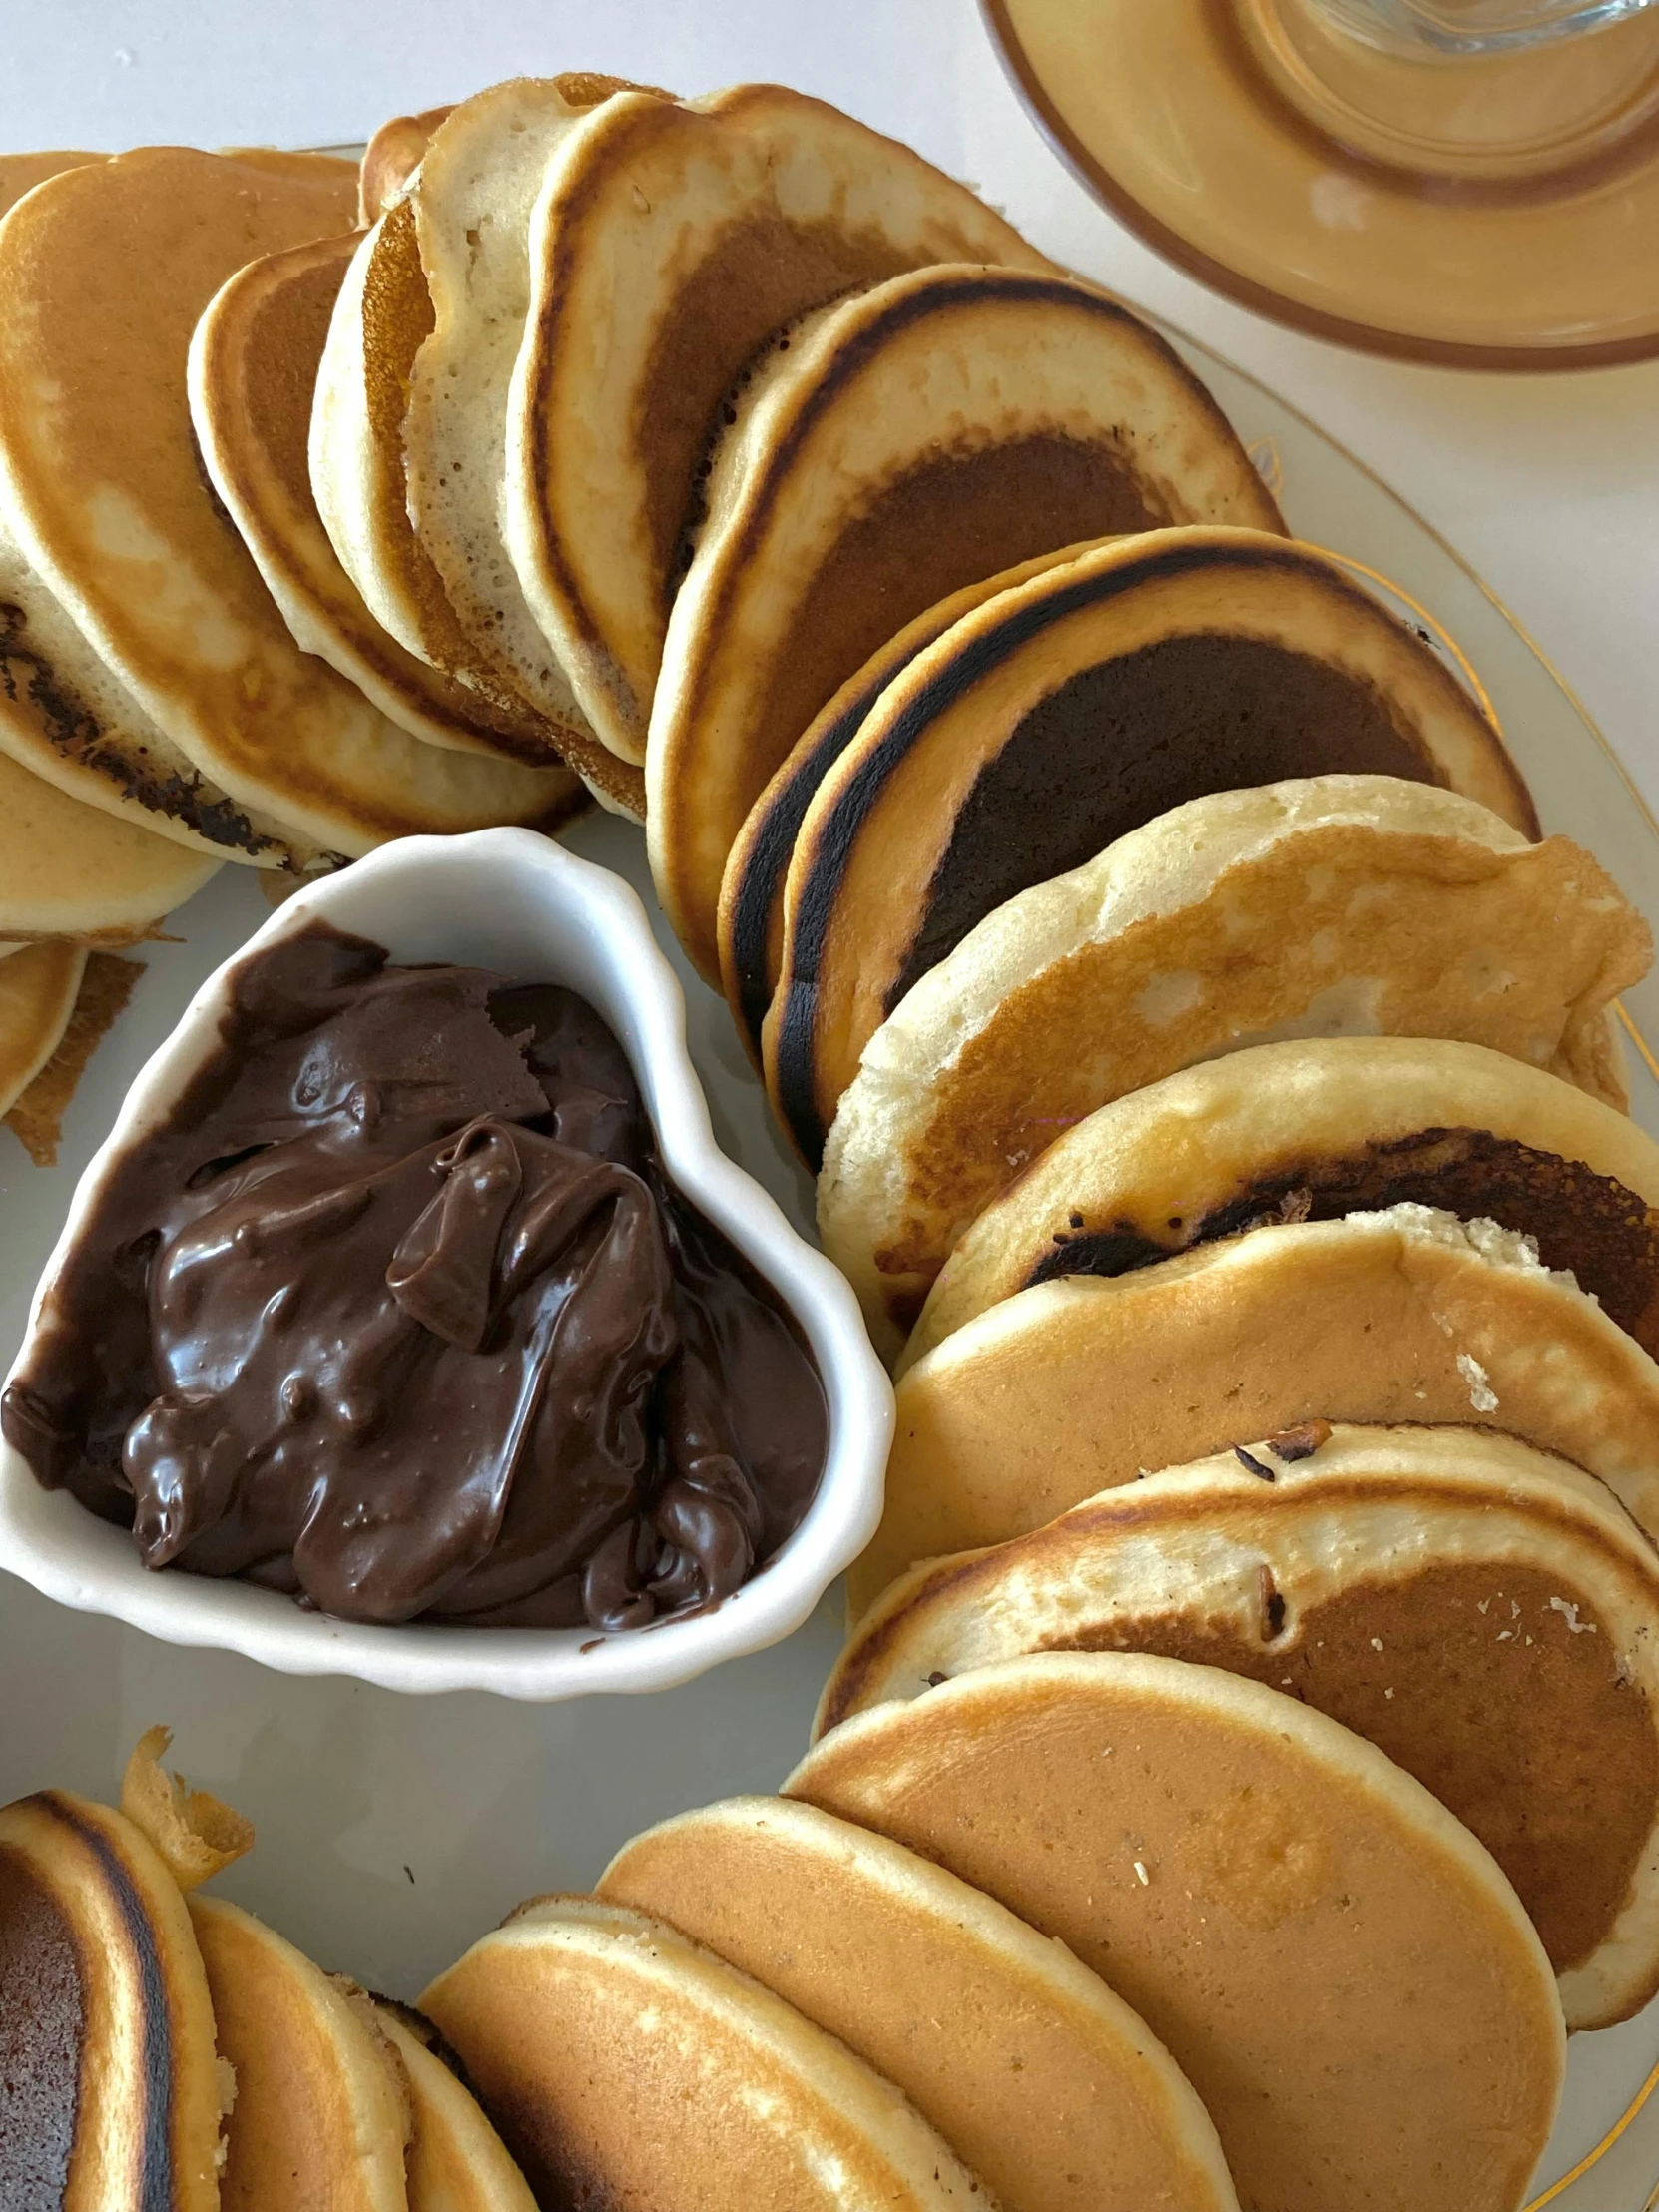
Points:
(669, 242)
(1485, 1614)
(1314, 1127)
(106, 271)
(472, 196)
(750, 920)
(455, 2160)
(626, 2065)
(1339, 1968)
(390, 158)
(38, 984)
(252, 372)
(1404, 1316)
(1065, 713)
(1333, 906)
(383, 315)
(318, 2120)
(109, 2022)
(924, 435)
(1042, 2079)
(35, 1116)
(69, 871)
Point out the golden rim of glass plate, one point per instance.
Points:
(1185, 118)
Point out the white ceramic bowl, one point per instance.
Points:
(512, 900)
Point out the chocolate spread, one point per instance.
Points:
(398, 1312)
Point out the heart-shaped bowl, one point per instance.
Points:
(514, 901)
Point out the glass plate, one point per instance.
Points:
(393, 1830)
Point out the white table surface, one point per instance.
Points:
(1549, 485)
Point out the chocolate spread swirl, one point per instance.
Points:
(398, 1311)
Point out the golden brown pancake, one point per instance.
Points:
(110, 2093)
(1149, 672)
(390, 160)
(455, 2160)
(920, 436)
(252, 370)
(1485, 1614)
(670, 243)
(623, 2065)
(35, 1116)
(1338, 1968)
(71, 870)
(751, 921)
(106, 270)
(318, 2120)
(1043, 2080)
(1358, 905)
(1405, 1316)
(1311, 1130)
(37, 996)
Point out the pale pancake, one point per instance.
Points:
(37, 996)
(317, 2120)
(669, 244)
(1485, 1614)
(1404, 1316)
(69, 871)
(919, 436)
(456, 2161)
(106, 271)
(390, 160)
(1312, 1129)
(471, 198)
(1339, 1968)
(751, 921)
(623, 2065)
(252, 370)
(1036, 2074)
(1072, 709)
(35, 1115)
(1356, 905)
(109, 2089)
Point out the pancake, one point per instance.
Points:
(456, 2161)
(929, 433)
(390, 160)
(253, 369)
(1333, 906)
(670, 243)
(623, 2065)
(1339, 1968)
(35, 1115)
(106, 271)
(1049, 2088)
(69, 871)
(318, 2118)
(1309, 1130)
(1409, 1315)
(110, 2091)
(750, 920)
(1487, 1615)
(1152, 671)
(37, 986)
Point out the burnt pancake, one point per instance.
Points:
(670, 243)
(1309, 1130)
(110, 2096)
(252, 370)
(752, 891)
(1409, 1315)
(1331, 906)
(1149, 670)
(929, 433)
(1339, 1968)
(1485, 1614)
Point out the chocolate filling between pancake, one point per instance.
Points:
(1585, 1224)
(42, 2030)
(1508, 1706)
